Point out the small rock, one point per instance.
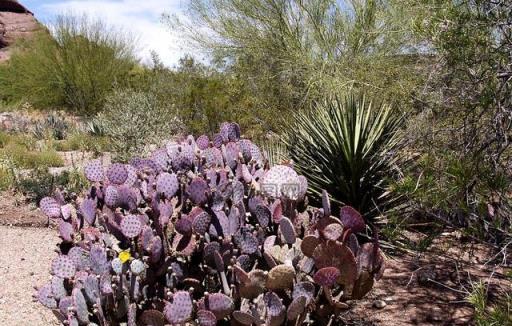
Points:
(388, 299)
(379, 304)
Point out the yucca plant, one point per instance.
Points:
(346, 145)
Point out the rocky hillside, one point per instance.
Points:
(16, 22)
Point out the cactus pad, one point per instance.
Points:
(243, 318)
(131, 226)
(98, 257)
(352, 219)
(281, 277)
(201, 221)
(309, 244)
(117, 173)
(327, 276)
(203, 142)
(247, 242)
(280, 180)
(117, 266)
(167, 184)
(287, 230)
(296, 307)
(88, 210)
(63, 267)
(111, 196)
(197, 191)
(93, 171)
(64, 304)
(333, 231)
(92, 289)
(180, 310)
(306, 289)
(213, 157)
(137, 266)
(219, 304)
(152, 318)
(46, 297)
(50, 207)
(263, 215)
(183, 226)
(326, 203)
(82, 314)
(274, 305)
(66, 231)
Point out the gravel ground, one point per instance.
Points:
(25, 258)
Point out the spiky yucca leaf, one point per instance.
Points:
(346, 146)
(275, 151)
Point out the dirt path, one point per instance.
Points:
(25, 257)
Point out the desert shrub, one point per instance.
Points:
(6, 178)
(75, 65)
(462, 131)
(289, 53)
(489, 313)
(28, 159)
(133, 120)
(177, 238)
(274, 150)
(7, 138)
(23, 152)
(347, 147)
(205, 95)
(38, 183)
(82, 141)
(53, 126)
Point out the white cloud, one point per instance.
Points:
(140, 17)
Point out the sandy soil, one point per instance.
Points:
(14, 211)
(24, 263)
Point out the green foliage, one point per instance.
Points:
(134, 120)
(29, 159)
(75, 65)
(275, 151)
(38, 183)
(23, 152)
(53, 126)
(203, 97)
(81, 141)
(464, 125)
(486, 313)
(6, 178)
(289, 53)
(347, 147)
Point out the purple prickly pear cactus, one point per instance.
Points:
(204, 232)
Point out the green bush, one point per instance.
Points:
(346, 146)
(133, 120)
(81, 141)
(285, 54)
(25, 158)
(75, 65)
(7, 138)
(54, 126)
(38, 183)
(6, 178)
(489, 313)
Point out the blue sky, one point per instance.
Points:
(140, 17)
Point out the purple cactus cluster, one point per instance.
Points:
(204, 232)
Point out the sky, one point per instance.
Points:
(142, 18)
